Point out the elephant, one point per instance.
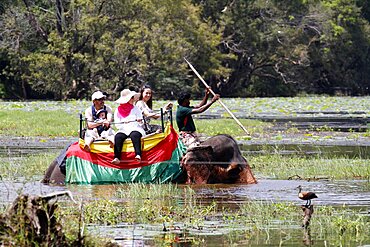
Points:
(56, 173)
(217, 160)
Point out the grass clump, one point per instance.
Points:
(38, 123)
(148, 204)
(284, 167)
(258, 215)
(27, 168)
(37, 221)
(341, 226)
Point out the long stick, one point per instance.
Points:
(224, 106)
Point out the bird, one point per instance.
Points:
(306, 196)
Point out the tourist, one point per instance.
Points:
(145, 104)
(91, 117)
(128, 119)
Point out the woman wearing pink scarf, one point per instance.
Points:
(128, 119)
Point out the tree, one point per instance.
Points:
(286, 47)
(77, 46)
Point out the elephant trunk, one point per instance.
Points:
(246, 176)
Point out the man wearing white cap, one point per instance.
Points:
(90, 114)
(128, 119)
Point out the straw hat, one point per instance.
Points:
(126, 95)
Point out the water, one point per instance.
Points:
(343, 192)
(349, 193)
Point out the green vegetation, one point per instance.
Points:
(63, 124)
(311, 106)
(181, 207)
(171, 205)
(66, 49)
(27, 168)
(230, 127)
(62, 118)
(38, 123)
(269, 166)
(309, 168)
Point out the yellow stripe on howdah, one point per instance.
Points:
(150, 141)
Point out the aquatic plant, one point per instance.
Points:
(44, 123)
(309, 168)
(183, 211)
(25, 168)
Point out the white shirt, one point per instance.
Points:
(132, 124)
(144, 109)
(89, 116)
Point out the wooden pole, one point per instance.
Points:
(307, 213)
(213, 93)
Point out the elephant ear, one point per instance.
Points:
(204, 150)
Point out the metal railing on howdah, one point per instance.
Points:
(165, 117)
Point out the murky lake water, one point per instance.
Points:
(354, 193)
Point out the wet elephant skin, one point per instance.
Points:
(217, 160)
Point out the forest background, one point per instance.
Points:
(66, 49)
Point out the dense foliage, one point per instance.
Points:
(66, 49)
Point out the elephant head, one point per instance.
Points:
(201, 168)
(197, 164)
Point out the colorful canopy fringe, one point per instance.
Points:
(161, 154)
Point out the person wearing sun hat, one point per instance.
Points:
(90, 115)
(128, 119)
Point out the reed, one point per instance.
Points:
(25, 168)
(310, 168)
(254, 219)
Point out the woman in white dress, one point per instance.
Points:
(128, 119)
(145, 104)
